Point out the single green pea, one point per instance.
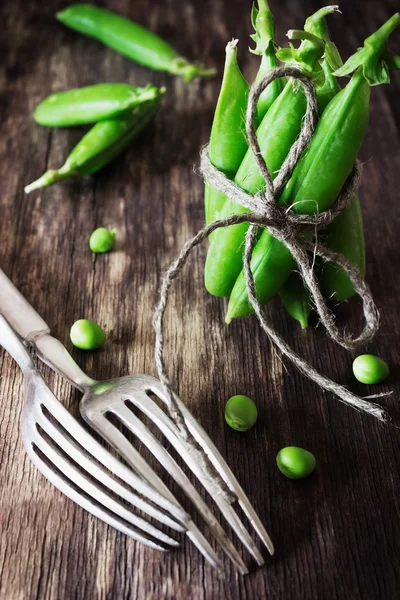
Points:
(370, 369)
(295, 462)
(240, 413)
(102, 240)
(87, 335)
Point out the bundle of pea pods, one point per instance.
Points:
(318, 176)
(121, 111)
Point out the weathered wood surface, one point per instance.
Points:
(337, 533)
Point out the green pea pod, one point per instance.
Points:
(276, 134)
(130, 39)
(264, 24)
(86, 105)
(316, 24)
(294, 295)
(228, 142)
(323, 168)
(103, 142)
(296, 299)
(344, 235)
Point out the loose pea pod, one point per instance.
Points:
(83, 106)
(104, 142)
(276, 134)
(228, 142)
(323, 168)
(130, 39)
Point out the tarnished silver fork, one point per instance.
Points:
(120, 398)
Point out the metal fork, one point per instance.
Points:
(74, 461)
(118, 397)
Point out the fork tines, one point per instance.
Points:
(91, 476)
(97, 415)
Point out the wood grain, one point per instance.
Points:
(337, 533)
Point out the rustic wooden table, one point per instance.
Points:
(336, 533)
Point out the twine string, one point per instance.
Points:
(289, 228)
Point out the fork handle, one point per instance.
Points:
(30, 326)
(19, 313)
(13, 345)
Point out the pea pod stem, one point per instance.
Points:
(51, 177)
(373, 58)
(317, 25)
(264, 25)
(103, 142)
(263, 22)
(130, 39)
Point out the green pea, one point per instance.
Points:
(240, 413)
(295, 462)
(87, 335)
(102, 240)
(370, 369)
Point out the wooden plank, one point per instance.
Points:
(336, 533)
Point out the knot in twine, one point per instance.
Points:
(289, 228)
